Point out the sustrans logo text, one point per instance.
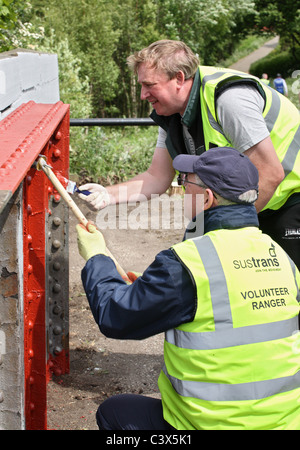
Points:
(258, 263)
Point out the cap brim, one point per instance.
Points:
(185, 163)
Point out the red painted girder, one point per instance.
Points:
(23, 135)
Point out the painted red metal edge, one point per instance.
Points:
(24, 133)
(36, 192)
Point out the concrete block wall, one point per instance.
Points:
(27, 75)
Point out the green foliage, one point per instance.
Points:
(103, 34)
(92, 35)
(209, 27)
(111, 155)
(93, 39)
(274, 63)
(8, 18)
(74, 88)
(281, 17)
(7, 14)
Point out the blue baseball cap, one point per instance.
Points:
(224, 170)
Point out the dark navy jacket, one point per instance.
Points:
(163, 297)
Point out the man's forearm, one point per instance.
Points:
(270, 170)
(139, 188)
(155, 180)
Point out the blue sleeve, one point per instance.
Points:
(162, 298)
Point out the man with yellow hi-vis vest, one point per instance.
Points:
(226, 297)
(199, 107)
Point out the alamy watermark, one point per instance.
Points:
(296, 83)
(161, 212)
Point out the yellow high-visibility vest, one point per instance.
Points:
(237, 364)
(281, 116)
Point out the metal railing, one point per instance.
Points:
(111, 122)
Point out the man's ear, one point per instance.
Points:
(180, 78)
(209, 199)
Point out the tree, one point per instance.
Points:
(282, 18)
(210, 27)
(10, 10)
(101, 34)
(92, 37)
(137, 20)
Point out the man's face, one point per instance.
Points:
(194, 197)
(164, 94)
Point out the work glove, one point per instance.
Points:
(90, 241)
(99, 197)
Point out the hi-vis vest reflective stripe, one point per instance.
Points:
(237, 365)
(282, 120)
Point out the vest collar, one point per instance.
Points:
(230, 217)
(191, 110)
(222, 217)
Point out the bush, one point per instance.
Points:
(283, 63)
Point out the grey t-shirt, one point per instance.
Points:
(239, 110)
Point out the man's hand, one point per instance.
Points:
(90, 241)
(99, 197)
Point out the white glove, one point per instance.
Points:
(99, 197)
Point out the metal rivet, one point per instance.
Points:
(57, 221)
(56, 309)
(56, 243)
(56, 265)
(57, 288)
(57, 330)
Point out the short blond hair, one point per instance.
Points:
(168, 56)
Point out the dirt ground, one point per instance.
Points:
(101, 367)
